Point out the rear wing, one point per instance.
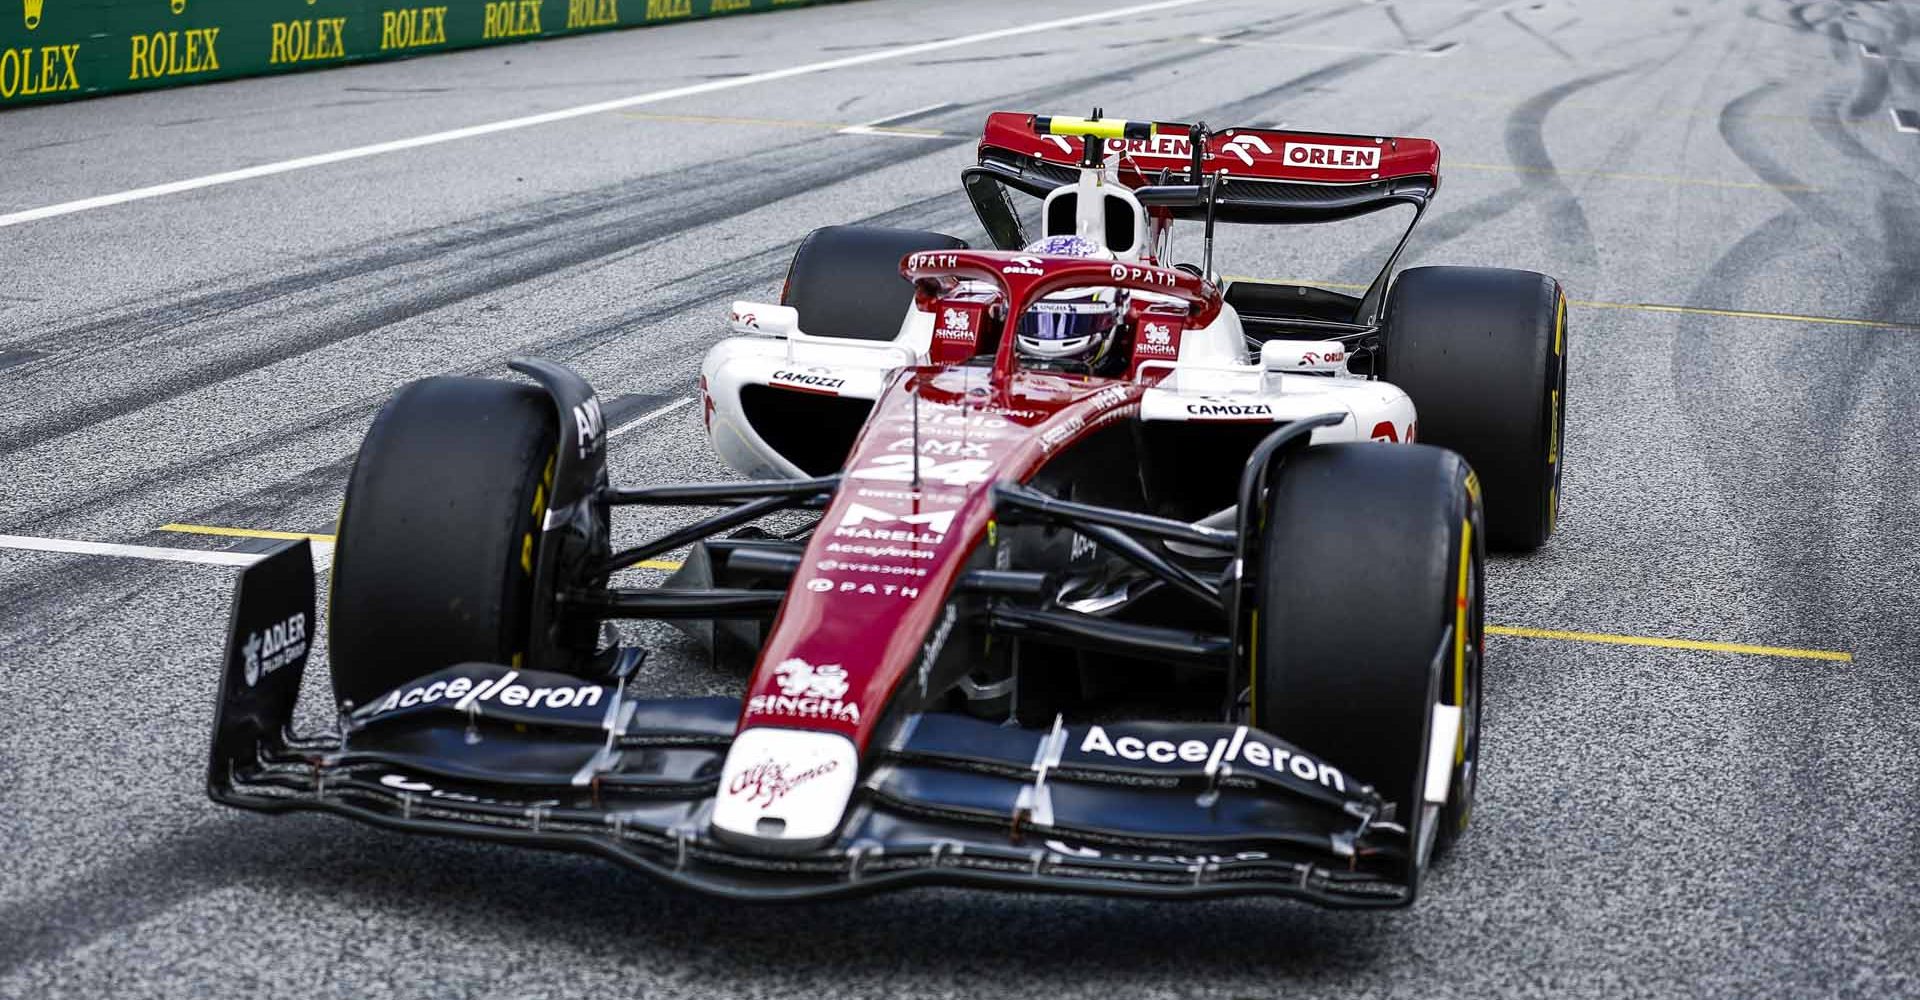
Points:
(1258, 176)
(1267, 176)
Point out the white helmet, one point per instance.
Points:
(1076, 326)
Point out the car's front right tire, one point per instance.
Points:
(433, 562)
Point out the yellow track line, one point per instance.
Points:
(1664, 643)
(209, 529)
(1870, 324)
(202, 529)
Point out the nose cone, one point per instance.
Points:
(785, 790)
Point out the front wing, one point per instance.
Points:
(1125, 808)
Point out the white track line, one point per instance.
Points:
(128, 551)
(322, 551)
(580, 111)
(1438, 51)
(881, 126)
(649, 417)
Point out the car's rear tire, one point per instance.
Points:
(845, 280)
(1369, 555)
(1483, 354)
(433, 564)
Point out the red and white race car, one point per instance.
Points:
(1113, 586)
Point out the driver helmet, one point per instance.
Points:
(1076, 326)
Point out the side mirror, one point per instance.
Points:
(758, 319)
(1303, 356)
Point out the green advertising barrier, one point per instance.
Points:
(60, 49)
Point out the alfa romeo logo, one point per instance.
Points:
(250, 652)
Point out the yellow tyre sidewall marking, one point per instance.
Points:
(1555, 414)
(1460, 601)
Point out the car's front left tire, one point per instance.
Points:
(1369, 615)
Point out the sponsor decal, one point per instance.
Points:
(933, 261)
(953, 421)
(274, 647)
(1385, 431)
(947, 449)
(1216, 408)
(1183, 860)
(900, 469)
(666, 10)
(808, 692)
(406, 784)
(1160, 147)
(174, 53)
(956, 320)
(798, 678)
(749, 320)
(811, 380)
(1243, 146)
(767, 782)
(911, 496)
(874, 569)
(30, 13)
(1328, 157)
(1180, 148)
(878, 551)
(1147, 275)
(1243, 745)
(974, 411)
(49, 69)
(413, 28)
(859, 520)
(1083, 548)
(1058, 434)
(590, 425)
(511, 19)
(601, 13)
(466, 692)
(314, 39)
(825, 585)
(1024, 265)
(938, 642)
(1157, 335)
(1308, 358)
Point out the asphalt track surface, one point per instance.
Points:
(1653, 821)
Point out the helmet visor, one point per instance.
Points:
(1067, 324)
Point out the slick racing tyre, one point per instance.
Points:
(845, 280)
(433, 564)
(1369, 614)
(1483, 354)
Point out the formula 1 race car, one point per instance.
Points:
(1186, 615)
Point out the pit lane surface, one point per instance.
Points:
(1652, 821)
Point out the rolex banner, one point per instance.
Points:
(59, 49)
